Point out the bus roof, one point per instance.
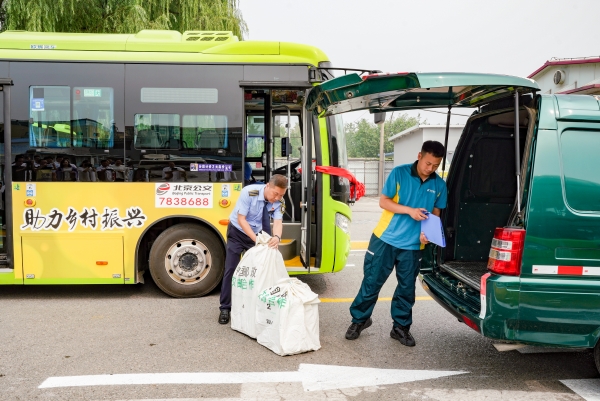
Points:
(153, 46)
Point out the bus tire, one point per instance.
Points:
(187, 260)
(597, 356)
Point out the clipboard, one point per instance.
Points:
(433, 230)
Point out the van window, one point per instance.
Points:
(579, 150)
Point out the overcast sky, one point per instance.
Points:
(512, 37)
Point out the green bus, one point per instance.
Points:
(146, 141)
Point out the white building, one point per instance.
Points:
(579, 76)
(407, 144)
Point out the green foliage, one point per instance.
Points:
(121, 16)
(362, 137)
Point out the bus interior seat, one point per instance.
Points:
(208, 139)
(148, 139)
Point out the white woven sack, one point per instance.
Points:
(288, 318)
(260, 268)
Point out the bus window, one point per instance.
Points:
(255, 126)
(93, 117)
(156, 131)
(338, 157)
(50, 114)
(205, 133)
(281, 126)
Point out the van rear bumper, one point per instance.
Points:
(464, 310)
(499, 320)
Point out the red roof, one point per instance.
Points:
(565, 62)
(587, 89)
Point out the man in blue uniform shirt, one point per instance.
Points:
(409, 193)
(251, 215)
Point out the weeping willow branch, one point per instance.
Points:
(122, 16)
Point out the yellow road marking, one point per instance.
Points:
(355, 245)
(379, 299)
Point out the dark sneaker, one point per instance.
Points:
(403, 335)
(224, 316)
(355, 328)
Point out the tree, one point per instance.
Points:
(362, 137)
(121, 16)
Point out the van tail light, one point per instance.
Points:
(471, 324)
(507, 251)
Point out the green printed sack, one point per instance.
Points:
(287, 317)
(260, 268)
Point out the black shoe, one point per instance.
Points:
(403, 335)
(224, 316)
(355, 328)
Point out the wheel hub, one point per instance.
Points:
(187, 261)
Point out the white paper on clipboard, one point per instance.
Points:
(433, 230)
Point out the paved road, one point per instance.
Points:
(107, 330)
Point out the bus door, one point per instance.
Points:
(275, 144)
(257, 108)
(6, 261)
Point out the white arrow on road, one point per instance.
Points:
(312, 377)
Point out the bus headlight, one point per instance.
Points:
(342, 222)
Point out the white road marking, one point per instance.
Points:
(350, 265)
(588, 389)
(312, 377)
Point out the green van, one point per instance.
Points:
(522, 226)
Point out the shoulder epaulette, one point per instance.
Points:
(254, 192)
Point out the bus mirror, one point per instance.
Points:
(379, 117)
(286, 147)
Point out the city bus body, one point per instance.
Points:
(192, 118)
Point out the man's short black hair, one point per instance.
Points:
(433, 147)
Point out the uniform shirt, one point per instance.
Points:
(251, 204)
(404, 186)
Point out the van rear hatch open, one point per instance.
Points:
(405, 91)
(483, 182)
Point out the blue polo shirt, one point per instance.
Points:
(404, 186)
(251, 204)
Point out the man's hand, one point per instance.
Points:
(419, 214)
(423, 239)
(274, 242)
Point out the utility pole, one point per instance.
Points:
(381, 156)
(379, 118)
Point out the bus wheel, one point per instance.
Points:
(186, 261)
(597, 355)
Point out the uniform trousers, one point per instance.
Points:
(237, 243)
(380, 260)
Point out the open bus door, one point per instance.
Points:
(6, 260)
(306, 203)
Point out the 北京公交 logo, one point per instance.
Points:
(163, 189)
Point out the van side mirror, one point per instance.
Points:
(379, 117)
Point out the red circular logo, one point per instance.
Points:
(163, 189)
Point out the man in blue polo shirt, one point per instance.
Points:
(251, 215)
(410, 192)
